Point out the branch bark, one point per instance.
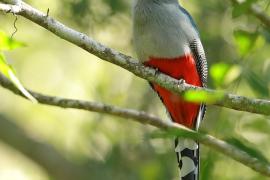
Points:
(231, 101)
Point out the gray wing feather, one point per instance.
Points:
(200, 58)
(201, 64)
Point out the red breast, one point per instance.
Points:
(183, 67)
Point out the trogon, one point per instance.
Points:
(166, 38)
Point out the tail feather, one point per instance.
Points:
(187, 152)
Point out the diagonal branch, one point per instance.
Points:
(141, 117)
(231, 101)
(258, 12)
(144, 118)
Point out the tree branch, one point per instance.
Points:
(231, 101)
(258, 12)
(139, 116)
(144, 118)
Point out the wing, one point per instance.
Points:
(196, 48)
(200, 59)
(201, 64)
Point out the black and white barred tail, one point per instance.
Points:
(187, 152)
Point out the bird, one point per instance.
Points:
(166, 38)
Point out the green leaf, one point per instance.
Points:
(174, 133)
(202, 96)
(244, 41)
(248, 148)
(223, 74)
(232, 74)
(3, 65)
(242, 8)
(8, 43)
(218, 72)
(9, 72)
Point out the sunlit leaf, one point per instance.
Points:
(223, 74)
(8, 43)
(244, 41)
(248, 148)
(218, 72)
(8, 71)
(202, 96)
(232, 74)
(174, 133)
(3, 65)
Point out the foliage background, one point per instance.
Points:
(237, 47)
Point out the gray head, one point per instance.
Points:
(162, 28)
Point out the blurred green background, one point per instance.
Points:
(40, 142)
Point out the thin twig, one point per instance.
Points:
(14, 25)
(258, 12)
(48, 12)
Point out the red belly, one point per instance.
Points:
(184, 67)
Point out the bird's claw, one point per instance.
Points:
(156, 71)
(181, 81)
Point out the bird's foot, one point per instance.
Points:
(181, 81)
